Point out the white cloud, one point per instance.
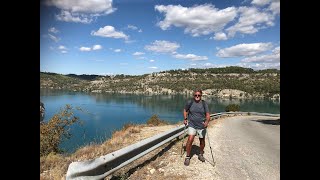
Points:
(81, 11)
(220, 36)
(274, 57)
(197, 20)
(83, 6)
(62, 47)
(85, 49)
(250, 21)
(53, 30)
(275, 7)
(153, 67)
(132, 27)
(209, 65)
(117, 50)
(151, 60)
(53, 38)
(260, 2)
(141, 57)
(162, 46)
(244, 50)
(138, 53)
(110, 32)
(93, 48)
(69, 17)
(259, 66)
(191, 57)
(96, 47)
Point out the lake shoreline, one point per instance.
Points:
(210, 93)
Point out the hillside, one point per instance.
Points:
(235, 82)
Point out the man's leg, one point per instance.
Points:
(191, 133)
(202, 134)
(202, 144)
(189, 144)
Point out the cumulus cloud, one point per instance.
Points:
(109, 32)
(135, 28)
(93, 48)
(162, 46)
(260, 2)
(96, 47)
(259, 66)
(225, 23)
(153, 67)
(141, 57)
(132, 27)
(250, 21)
(53, 38)
(62, 47)
(117, 50)
(197, 20)
(85, 49)
(53, 30)
(275, 7)
(69, 17)
(191, 57)
(274, 57)
(220, 36)
(82, 11)
(138, 53)
(151, 60)
(244, 50)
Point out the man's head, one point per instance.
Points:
(197, 94)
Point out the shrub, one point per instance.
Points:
(154, 120)
(232, 107)
(57, 129)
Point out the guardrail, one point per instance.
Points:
(105, 165)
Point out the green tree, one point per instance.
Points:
(57, 129)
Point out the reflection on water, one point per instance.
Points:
(108, 112)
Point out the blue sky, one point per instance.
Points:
(137, 37)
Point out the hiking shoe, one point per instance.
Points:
(187, 161)
(201, 158)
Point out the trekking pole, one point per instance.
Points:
(210, 146)
(183, 140)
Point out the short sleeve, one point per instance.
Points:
(206, 107)
(186, 107)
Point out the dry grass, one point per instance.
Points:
(55, 166)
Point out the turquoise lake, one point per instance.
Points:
(105, 113)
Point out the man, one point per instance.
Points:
(196, 110)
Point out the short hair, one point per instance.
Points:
(197, 90)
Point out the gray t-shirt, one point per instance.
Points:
(197, 114)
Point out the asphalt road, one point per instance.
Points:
(246, 147)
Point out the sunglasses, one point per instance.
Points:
(197, 95)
